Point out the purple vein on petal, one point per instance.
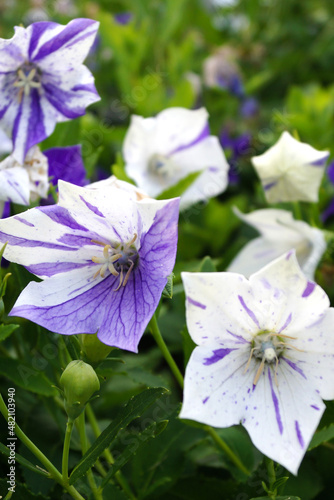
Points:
(217, 355)
(309, 289)
(276, 405)
(195, 303)
(203, 135)
(299, 434)
(287, 323)
(91, 207)
(294, 367)
(248, 311)
(240, 339)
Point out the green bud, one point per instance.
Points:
(79, 382)
(94, 349)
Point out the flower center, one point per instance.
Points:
(162, 166)
(268, 347)
(119, 260)
(28, 77)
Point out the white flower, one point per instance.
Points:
(291, 170)
(264, 356)
(279, 233)
(24, 183)
(161, 151)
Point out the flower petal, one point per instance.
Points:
(14, 184)
(283, 291)
(66, 164)
(61, 48)
(280, 233)
(211, 307)
(13, 52)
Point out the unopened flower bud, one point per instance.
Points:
(94, 349)
(79, 382)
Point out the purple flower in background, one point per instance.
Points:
(43, 80)
(123, 17)
(264, 356)
(28, 182)
(66, 164)
(104, 259)
(249, 107)
(329, 212)
(235, 148)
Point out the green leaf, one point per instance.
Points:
(133, 409)
(24, 376)
(138, 440)
(279, 482)
(23, 461)
(180, 187)
(91, 160)
(6, 330)
(324, 435)
(207, 265)
(119, 171)
(168, 290)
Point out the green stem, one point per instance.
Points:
(110, 459)
(154, 327)
(66, 449)
(54, 473)
(97, 493)
(297, 211)
(227, 450)
(271, 474)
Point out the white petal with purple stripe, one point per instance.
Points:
(265, 356)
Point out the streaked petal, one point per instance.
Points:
(13, 52)
(291, 301)
(14, 185)
(61, 48)
(210, 306)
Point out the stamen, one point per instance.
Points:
(258, 373)
(128, 273)
(119, 260)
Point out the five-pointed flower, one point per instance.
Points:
(159, 152)
(280, 232)
(264, 355)
(104, 258)
(43, 80)
(291, 170)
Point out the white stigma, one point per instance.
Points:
(27, 81)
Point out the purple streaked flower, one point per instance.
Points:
(66, 164)
(43, 80)
(104, 259)
(291, 170)
(264, 355)
(159, 152)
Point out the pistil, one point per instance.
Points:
(27, 78)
